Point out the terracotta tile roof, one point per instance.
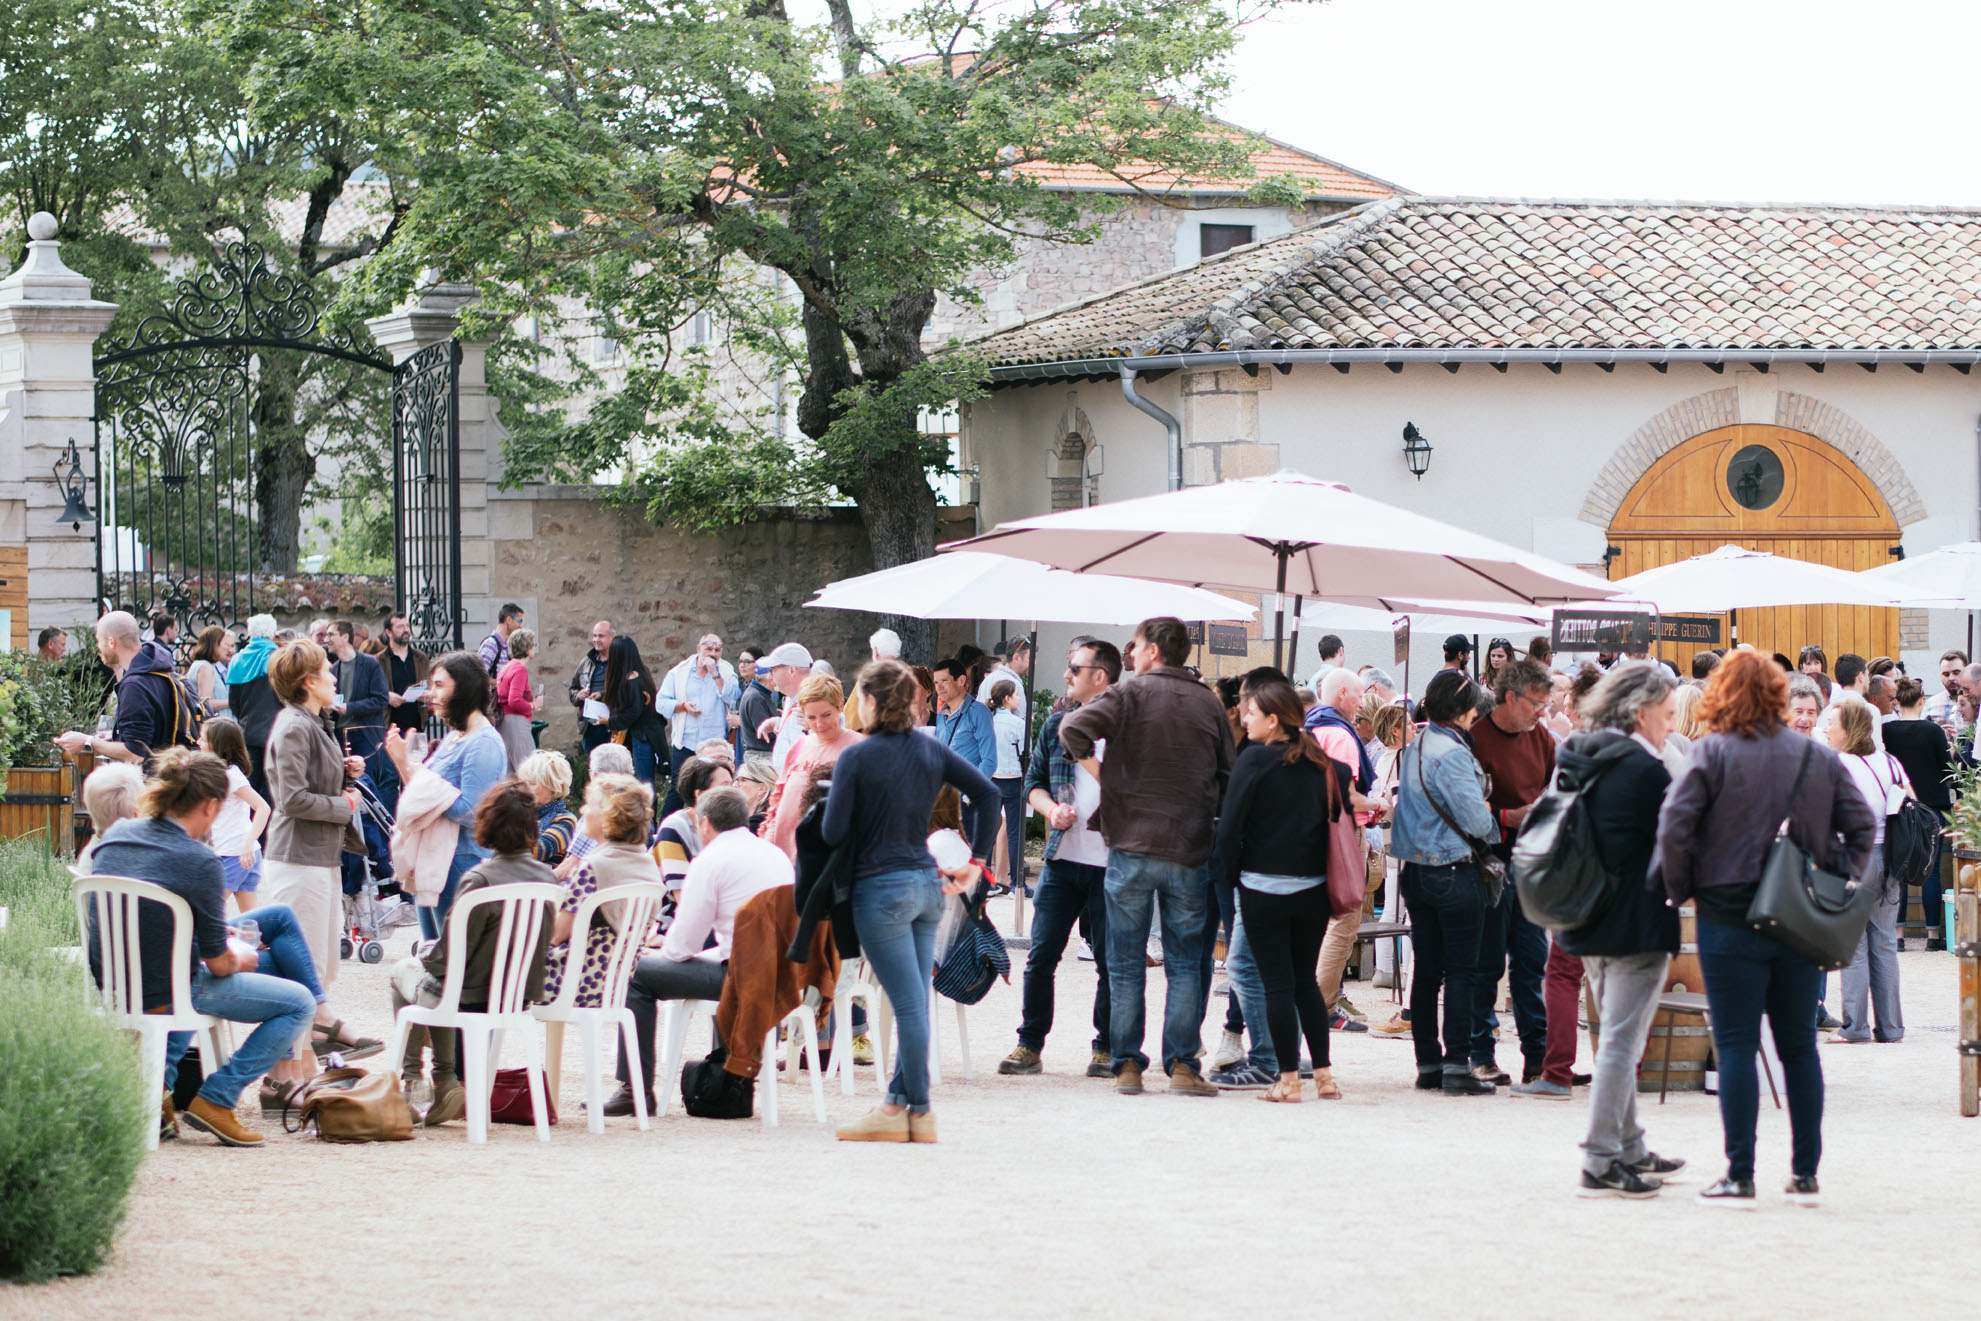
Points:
(1325, 178)
(1449, 273)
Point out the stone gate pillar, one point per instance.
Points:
(49, 326)
(433, 315)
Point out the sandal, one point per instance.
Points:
(276, 1097)
(1283, 1092)
(1324, 1086)
(331, 1040)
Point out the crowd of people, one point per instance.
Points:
(1245, 824)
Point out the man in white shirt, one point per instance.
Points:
(732, 868)
(1071, 888)
(785, 668)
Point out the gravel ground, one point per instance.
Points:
(1050, 1196)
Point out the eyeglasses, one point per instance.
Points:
(1075, 669)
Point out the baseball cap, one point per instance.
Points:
(1458, 645)
(787, 653)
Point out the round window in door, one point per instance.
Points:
(1754, 478)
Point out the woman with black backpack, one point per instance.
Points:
(1617, 762)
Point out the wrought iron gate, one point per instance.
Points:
(178, 441)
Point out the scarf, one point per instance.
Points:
(251, 662)
(1365, 776)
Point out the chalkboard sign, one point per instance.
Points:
(1229, 640)
(1608, 631)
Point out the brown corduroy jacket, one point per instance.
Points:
(762, 986)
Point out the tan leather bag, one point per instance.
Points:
(351, 1105)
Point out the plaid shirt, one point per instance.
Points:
(1052, 771)
(1943, 711)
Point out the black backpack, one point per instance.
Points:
(1909, 835)
(1556, 869)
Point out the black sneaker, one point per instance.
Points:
(1825, 1023)
(1736, 1194)
(1618, 1181)
(620, 1103)
(1658, 1167)
(1802, 1191)
(1492, 1074)
(1467, 1084)
(1242, 1076)
(1581, 1079)
(1430, 1080)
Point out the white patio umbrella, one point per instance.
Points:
(1945, 579)
(980, 586)
(1292, 535)
(1733, 577)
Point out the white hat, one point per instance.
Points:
(787, 653)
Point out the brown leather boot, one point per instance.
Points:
(168, 1118)
(224, 1124)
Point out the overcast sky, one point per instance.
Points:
(1728, 100)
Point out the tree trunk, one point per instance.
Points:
(284, 467)
(899, 511)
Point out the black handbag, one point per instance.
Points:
(1816, 913)
(709, 1091)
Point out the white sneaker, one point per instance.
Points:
(1085, 952)
(1230, 1051)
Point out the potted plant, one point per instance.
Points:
(38, 700)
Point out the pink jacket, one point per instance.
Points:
(424, 837)
(512, 690)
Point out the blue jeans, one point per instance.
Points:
(1141, 886)
(434, 920)
(1011, 795)
(1066, 891)
(643, 759)
(1248, 998)
(282, 1010)
(1747, 974)
(1508, 938)
(895, 914)
(1447, 910)
(285, 954)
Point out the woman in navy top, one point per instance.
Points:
(883, 791)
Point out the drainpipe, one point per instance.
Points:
(1169, 424)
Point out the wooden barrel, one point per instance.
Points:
(1690, 1041)
(40, 801)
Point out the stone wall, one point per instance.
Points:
(569, 559)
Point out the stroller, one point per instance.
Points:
(374, 906)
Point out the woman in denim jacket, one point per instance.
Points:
(1442, 887)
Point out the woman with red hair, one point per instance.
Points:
(1748, 776)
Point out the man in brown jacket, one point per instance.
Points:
(1168, 754)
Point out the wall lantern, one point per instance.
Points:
(75, 512)
(1416, 451)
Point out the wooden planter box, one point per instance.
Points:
(41, 800)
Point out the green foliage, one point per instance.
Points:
(71, 1096)
(45, 698)
(1965, 819)
(814, 185)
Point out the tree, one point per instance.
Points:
(643, 159)
(123, 118)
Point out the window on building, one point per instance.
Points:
(607, 349)
(701, 329)
(1214, 239)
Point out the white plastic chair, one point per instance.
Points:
(680, 1014)
(883, 1025)
(802, 1019)
(856, 982)
(115, 901)
(526, 906)
(639, 901)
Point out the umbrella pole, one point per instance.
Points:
(1279, 614)
(1293, 643)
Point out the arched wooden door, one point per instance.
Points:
(1772, 489)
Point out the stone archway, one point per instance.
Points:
(1666, 431)
(1073, 437)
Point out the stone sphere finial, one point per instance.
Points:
(42, 226)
